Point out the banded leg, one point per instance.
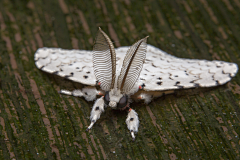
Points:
(89, 93)
(97, 109)
(132, 122)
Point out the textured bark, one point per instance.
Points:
(36, 122)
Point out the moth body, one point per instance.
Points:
(139, 72)
(114, 97)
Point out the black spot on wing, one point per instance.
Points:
(71, 75)
(177, 83)
(85, 77)
(159, 83)
(154, 65)
(180, 87)
(196, 85)
(55, 72)
(142, 86)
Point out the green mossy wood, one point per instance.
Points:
(38, 123)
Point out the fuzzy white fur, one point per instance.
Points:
(146, 97)
(115, 95)
(77, 93)
(97, 110)
(132, 122)
(95, 114)
(89, 93)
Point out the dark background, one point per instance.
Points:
(38, 123)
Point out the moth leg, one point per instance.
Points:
(76, 92)
(132, 122)
(97, 109)
(146, 97)
(64, 91)
(89, 93)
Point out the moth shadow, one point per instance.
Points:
(197, 91)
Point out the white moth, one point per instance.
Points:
(125, 74)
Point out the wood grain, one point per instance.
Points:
(38, 123)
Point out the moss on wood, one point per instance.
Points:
(38, 123)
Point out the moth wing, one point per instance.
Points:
(75, 65)
(132, 65)
(162, 71)
(104, 61)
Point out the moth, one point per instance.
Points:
(139, 72)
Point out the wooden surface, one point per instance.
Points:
(38, 123)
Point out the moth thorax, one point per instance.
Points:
(114, 96)
(112, 104)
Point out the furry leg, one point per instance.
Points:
(132, 122)
(89, 93)
(76, 92)
(146, 97)
(97, 109)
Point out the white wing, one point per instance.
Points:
(161, 71)
(75, 65)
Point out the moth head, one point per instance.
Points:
(104, 64)
(115, 99)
